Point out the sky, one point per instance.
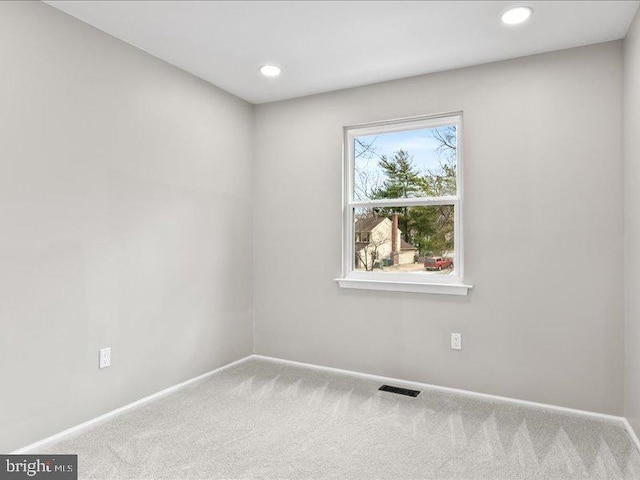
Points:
(418, 143)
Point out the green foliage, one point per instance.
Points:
(440, 182)
(402, 179)
(439, 239)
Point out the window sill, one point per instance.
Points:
(415, 287)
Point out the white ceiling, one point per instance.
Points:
(323, 46)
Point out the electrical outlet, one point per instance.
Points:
(456, 341)
(105, 357)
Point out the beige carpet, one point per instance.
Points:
(267, 420)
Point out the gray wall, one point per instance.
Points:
(125, 211)
(632, 222)
(544, 226)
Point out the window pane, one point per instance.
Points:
(404, 239)
(407, 164)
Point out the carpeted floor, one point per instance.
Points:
(262, 419)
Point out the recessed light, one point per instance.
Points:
(270, 70)
(516, 15)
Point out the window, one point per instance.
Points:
(362, 237)
(403, 206)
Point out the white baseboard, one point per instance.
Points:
(129, 406)
(425, 386)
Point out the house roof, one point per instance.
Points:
(366, 224)
(406, 246)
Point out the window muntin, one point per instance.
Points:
(409, 173)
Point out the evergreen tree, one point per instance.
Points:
(402, 180)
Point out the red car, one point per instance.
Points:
(437, 263)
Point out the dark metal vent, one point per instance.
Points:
(400, 391)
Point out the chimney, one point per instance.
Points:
(395, 239)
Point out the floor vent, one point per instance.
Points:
(400, 391)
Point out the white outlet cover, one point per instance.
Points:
(456, 341)
(105, 357)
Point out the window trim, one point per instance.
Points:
(408, 282)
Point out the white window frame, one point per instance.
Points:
(407, 282)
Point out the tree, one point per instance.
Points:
(402, 180)
(441, 182)
(370, 235)
(368, 252)
(447, 137)
(440, 236)
(366, 180)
